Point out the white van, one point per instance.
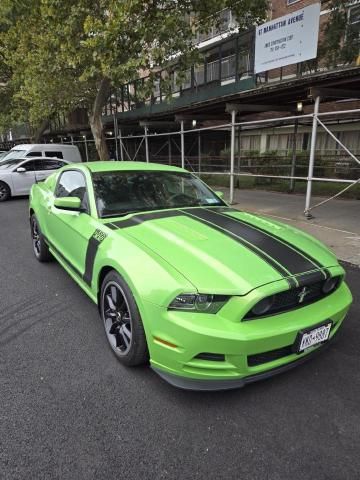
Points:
(65, 152)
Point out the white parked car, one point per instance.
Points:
(66, 152)
(18, 175)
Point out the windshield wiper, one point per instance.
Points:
(113, 215)
(140, 210)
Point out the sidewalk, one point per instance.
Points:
(337, 223)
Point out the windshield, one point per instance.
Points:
(119, 193)
(8, 163)
(14, 154)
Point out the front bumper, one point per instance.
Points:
(186, 383)
(176, 339)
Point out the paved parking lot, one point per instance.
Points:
(69, 410)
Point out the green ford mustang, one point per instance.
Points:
(214, 297)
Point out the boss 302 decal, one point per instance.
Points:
(97, 237)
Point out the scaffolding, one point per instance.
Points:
(141, 142)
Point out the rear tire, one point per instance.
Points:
(5, 192)
(122, 322)
(40, 248)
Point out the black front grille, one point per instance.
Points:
(290, 299)
(265, 357)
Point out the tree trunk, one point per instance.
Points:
(99, 137)
(95, 119)
(36, 138)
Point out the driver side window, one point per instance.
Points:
(72, 184)
(32, 165)
(29, 166)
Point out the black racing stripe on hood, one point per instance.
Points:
(310, 278)
(321, 275)
(287, 257)
(250, 246)
(140, 218)
(313, 260)
(143, 217)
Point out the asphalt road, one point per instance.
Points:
(69, 410)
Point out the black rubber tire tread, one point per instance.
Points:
(8, 192)
(138, 353)
(44, 255)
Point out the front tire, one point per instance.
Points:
(122, 322)
(40, 248)
(5, 192)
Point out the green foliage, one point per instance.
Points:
(62, 54)
(340, 43)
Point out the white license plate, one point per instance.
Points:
(313, 337)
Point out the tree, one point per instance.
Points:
(68, 53)
(340, 43)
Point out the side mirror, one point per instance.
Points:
(68, 203)
(219, 194)
(21, 170)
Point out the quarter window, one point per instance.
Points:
(34, 154)
(54, 154)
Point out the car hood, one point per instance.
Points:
(223, 250)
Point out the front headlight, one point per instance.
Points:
(202, 302)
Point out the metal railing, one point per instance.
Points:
(236, 66)
(184, 148)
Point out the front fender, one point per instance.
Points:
(148, 275)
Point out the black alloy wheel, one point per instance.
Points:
(122, 322)
(40, 248)
(5, 192)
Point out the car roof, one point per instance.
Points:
(111, 166)
(43, 158)
(21, 146)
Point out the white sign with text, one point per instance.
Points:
(289, 39)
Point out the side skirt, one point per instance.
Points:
(73, 275)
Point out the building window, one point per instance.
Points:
(227, 22)
(354, 18)
(291, 2)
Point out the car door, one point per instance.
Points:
(46, 167)
(23, 180)
(68, 231)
